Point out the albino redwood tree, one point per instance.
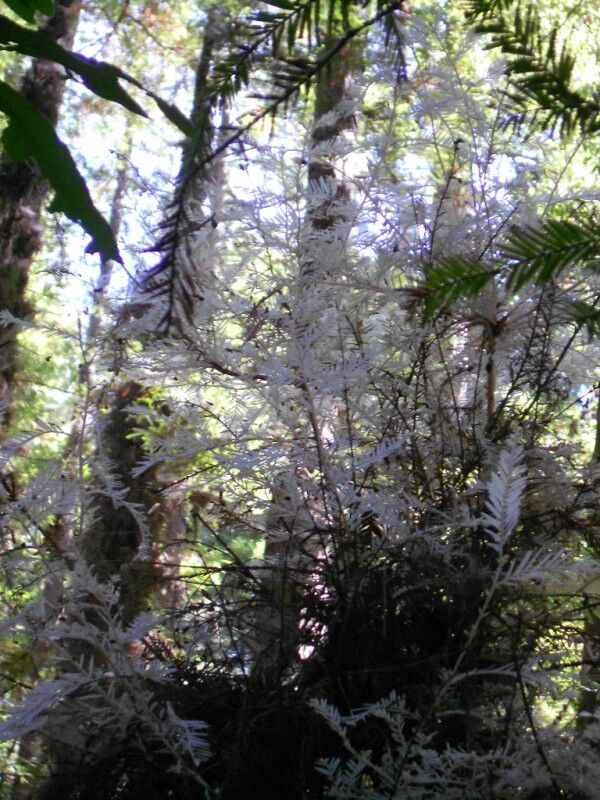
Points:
(361, 378)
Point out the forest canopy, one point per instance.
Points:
(299, 400)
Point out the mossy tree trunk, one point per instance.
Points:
(23, 192)
(112, 543)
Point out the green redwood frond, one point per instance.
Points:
(529, 255)
(540, 69)
(451, 279)
(540, 254)
(290, 76)
(586, 315)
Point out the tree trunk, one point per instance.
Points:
(590, 671)
(23, 191)
(112, 543)
(323, 252)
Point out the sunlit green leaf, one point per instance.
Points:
(30, 133)
(100, 77)
(26, 9)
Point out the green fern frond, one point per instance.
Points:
(278, 32)
(480, 9)
(264, 33)
(587, 315)
(452, 279)
(283, 34)
(541, 254)
(539, 69)
(530, 255)
(229, 74)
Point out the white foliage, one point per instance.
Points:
(408, 769)
(534, 566)
(32, 713)
(311, 409)
(111, 690)
(387, 448)
(505, 492)
(191, 736)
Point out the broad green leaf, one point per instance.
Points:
(267, 16)
(16, 146)
(26, 9)
(22, 9)
(100, 77)
(30, 133)
(171, 112)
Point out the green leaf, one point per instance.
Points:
(45, 7)
(538, 71)
(453, 279)
(586, 314)
(26, 8)
(30, 133)
(172, 113)
(100, 77)
(286, 5)
(541, 254)
(17, 147)
(22, 9)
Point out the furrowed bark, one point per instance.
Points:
(112, 542)
(23, 191)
